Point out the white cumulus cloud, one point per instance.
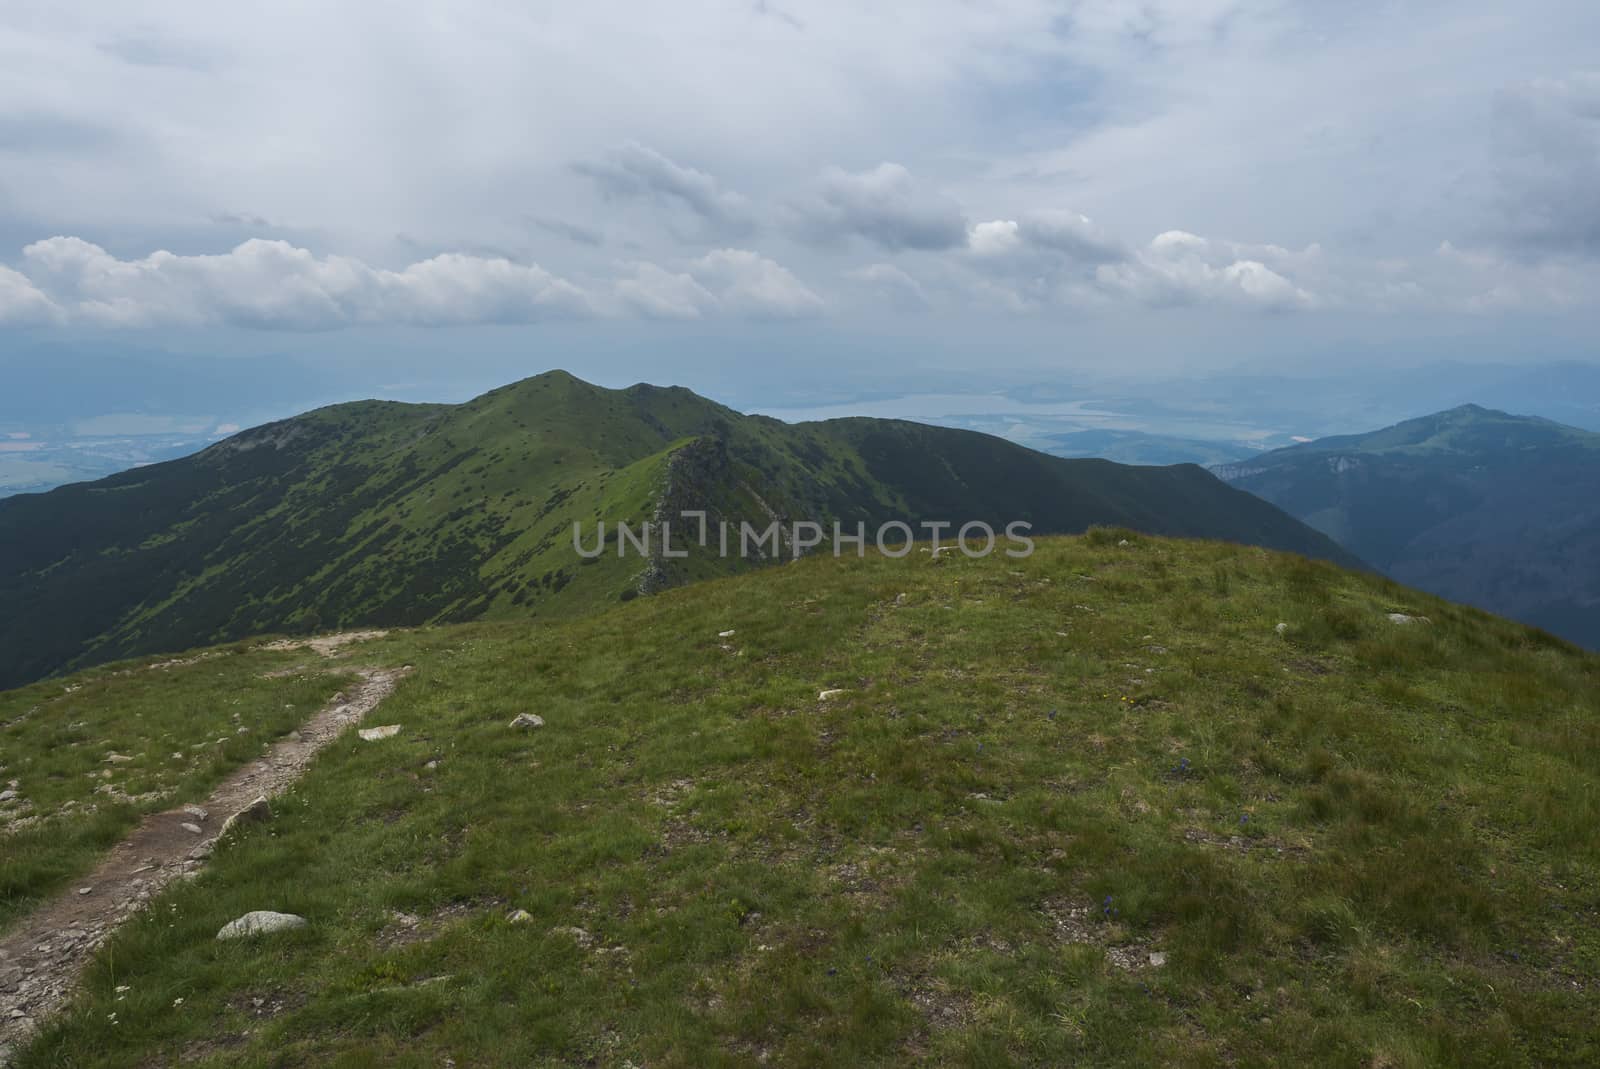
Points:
(276, 285)
(748, 283)
(734, 282)
(1177, 268)
(656, 293)
(22, 303)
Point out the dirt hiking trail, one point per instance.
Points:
(41, 959)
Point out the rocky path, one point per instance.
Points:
(41, 959)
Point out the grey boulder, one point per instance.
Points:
(260, 922)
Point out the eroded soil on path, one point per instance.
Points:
(40, 960)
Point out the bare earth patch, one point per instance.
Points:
(1078, 924)
(40, 961)
(327, 645)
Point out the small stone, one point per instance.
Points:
(260, 922)
(7, 795)
(1157, 959)
(1124, 542)
(1403, 618)
(829, 695)
(519, 916)
(197, 812)
(724, 634)
(1282, 628)
(387, 731)
(899, 599)
(579, 936)
(190, 827)
(117, 759)
(86, 890)
(527, 721)
(203, 851)
(432, 765)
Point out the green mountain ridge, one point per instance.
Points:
(382, 513)
(1473, 504)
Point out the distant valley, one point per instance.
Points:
(37, 460)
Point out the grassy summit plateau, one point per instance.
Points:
(1091, 807)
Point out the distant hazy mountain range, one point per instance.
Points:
(1139, 447)
(389, 513)
(1495, 510)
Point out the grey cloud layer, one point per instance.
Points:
(1547, 152)
(633, 170)
(795, 160)
(883, 206)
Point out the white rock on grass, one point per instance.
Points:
(829, 695)
(519, 916)
(387, 731)
(260, 922)
(1282, 629)
(1403, 618)
(579, 936)
(527, 721)
(724, 634)
(258, 810)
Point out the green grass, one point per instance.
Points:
(92, 754)
(1356, 843)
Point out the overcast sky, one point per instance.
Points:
(1035, 184)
